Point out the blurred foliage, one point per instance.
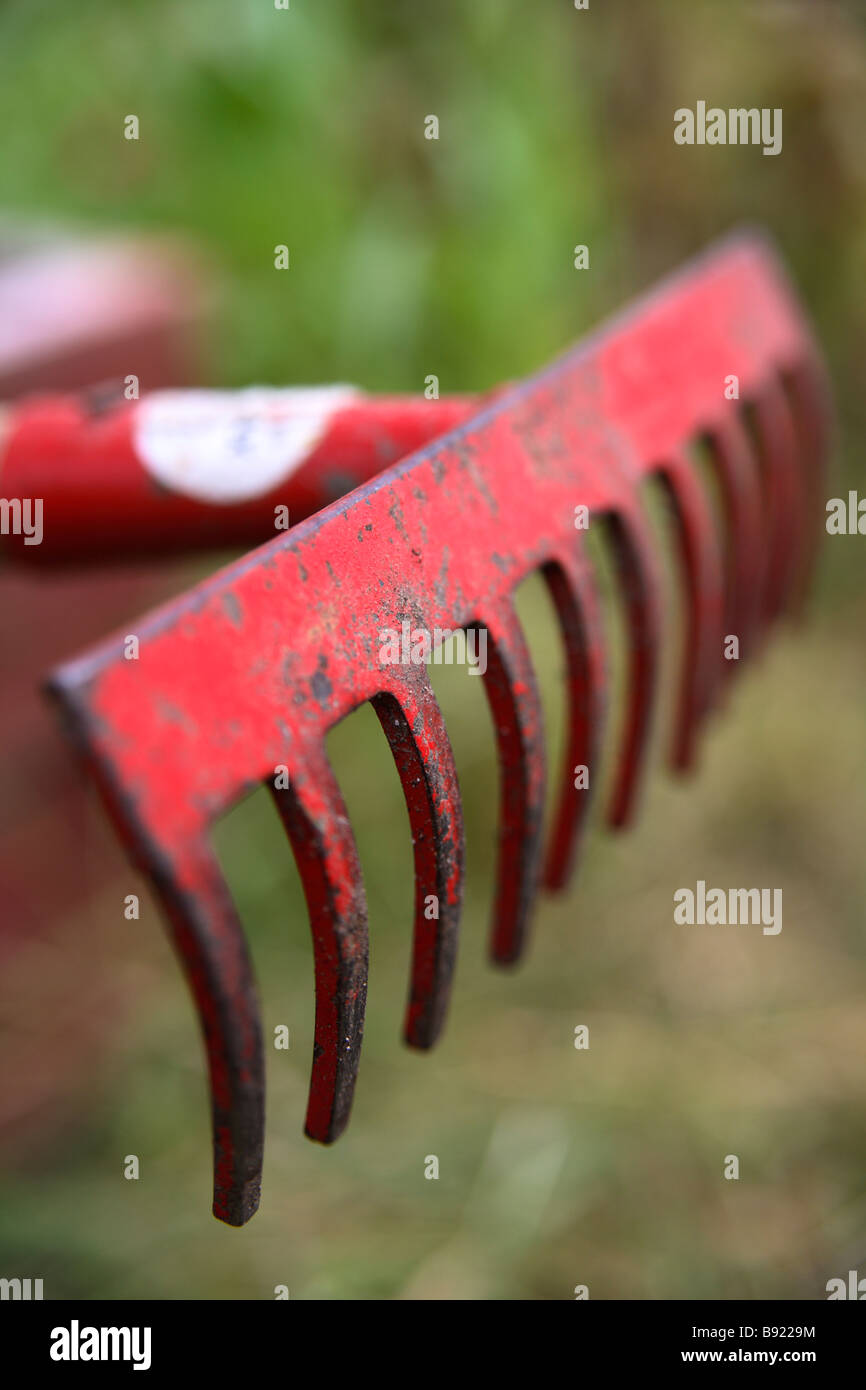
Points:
(409, 257)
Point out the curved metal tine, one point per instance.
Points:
(740, 484)
(415, 729)
(509, 683)
(572, 586)
(315, 817)
(780, 502)
(640, 585)
(212, 947)
(701, 554)
(808, 397)
(776, 423)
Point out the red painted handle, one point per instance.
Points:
(185, 470)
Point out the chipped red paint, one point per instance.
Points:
(251, 669)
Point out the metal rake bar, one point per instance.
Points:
(251, 669)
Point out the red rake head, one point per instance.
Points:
(250, 670)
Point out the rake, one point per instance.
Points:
(248, 671)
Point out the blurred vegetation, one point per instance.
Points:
(409, 256)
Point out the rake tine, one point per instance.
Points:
(702, 562)
(416, 731)
(640, 584)
(810, 407)
(509, 682)
(809, 481)
(740, 484)
(315, 817)
(779, 504)
(776, 425)
(210, 940)
(572, 587)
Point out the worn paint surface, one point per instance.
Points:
(251, 669)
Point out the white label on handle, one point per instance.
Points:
(230, 446)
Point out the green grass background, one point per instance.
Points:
(454, 257)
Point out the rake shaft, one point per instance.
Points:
(192, 470)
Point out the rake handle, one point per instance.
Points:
(125, 482)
